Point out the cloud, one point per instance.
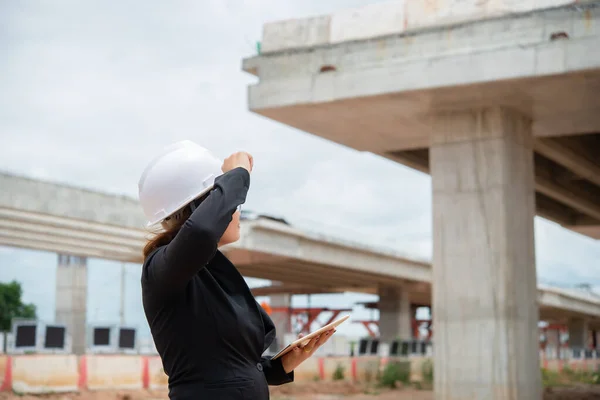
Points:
(565, 257)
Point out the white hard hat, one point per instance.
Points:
(183, 172)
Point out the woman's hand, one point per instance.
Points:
(299, 354)
(239, 159)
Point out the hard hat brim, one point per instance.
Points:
(181, 206)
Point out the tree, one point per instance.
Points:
(12, 306)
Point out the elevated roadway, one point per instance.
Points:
(376, 78)
(59, 218)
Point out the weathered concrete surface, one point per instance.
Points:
(484, 276)
(45, 373)
(387, 86)
(390, 18)
(114, 372)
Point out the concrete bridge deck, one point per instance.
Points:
(375, 78)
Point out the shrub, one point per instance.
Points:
(395, 371)
(338, 374)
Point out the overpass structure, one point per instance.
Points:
(499, 102)
(78, 223)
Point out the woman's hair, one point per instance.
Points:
(168, 233)
(171, 227)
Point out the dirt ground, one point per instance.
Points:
(312, 391)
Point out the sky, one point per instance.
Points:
(90, 91)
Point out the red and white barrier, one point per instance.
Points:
(5, 373)
(39, 374)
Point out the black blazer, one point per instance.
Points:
(208, 329)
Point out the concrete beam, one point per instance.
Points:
(60, 200)
(556, 199)
(306, 289)
(433, 67)
(576, 301)
(272, 238)
(13, 216)
(581, 202)
(569, 158)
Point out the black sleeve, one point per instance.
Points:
(196, 242)
(274, 372)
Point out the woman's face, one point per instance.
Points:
(232, 233)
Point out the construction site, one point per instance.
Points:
(497, 101)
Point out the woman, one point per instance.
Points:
(208, 329)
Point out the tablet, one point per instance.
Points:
(305, 339)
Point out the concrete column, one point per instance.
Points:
(71, 298)
(394, 314)
(281, 319)
(484, 277)
(553, 342)
(578, 333)
(413, 315)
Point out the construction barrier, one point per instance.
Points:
(113, 372)
(331, 366)
(366, 368)
(5, 373)
(38, 374)
(308, 371)
(154, 376)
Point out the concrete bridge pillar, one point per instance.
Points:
(71, 298)
(484, 277)
(281, 319)
(395, 320)
(578, 333)
(553, 341)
